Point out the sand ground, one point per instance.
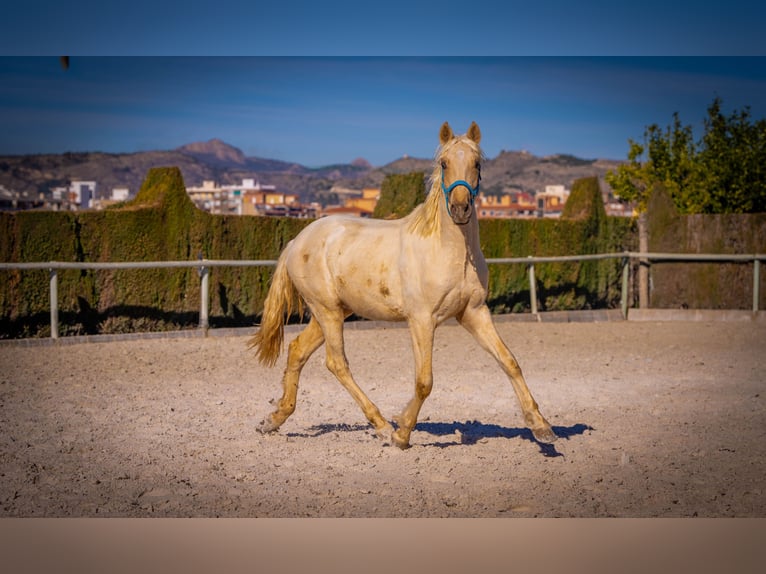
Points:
(655, 419)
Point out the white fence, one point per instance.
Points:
(203, 266)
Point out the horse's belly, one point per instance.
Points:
(374, 301)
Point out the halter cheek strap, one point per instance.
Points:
(447, 190)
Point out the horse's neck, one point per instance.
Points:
(463, 235)
(471, 235)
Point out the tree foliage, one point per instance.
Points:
(723, 172)
(733, 162)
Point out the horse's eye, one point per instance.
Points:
(444, 164)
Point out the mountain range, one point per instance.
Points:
(218, 161)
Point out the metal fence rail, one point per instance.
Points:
(203, 266)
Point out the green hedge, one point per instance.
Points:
(569, 285)
(163, 224)
(160, 224)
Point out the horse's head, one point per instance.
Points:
(459, 165)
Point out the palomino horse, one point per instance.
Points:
(423, 269)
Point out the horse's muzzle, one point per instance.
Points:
(460, 213)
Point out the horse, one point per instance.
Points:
(424, 268)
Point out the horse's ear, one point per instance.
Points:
(474, 133)
(445, 134)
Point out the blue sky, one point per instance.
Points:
(285, 79)
(383, 28)
(319, 111)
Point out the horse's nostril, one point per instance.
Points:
(460, 211)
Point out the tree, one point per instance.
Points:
(732, 162)
(724, 172)
(670, 160)
(633, 181)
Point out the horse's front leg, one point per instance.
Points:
(422, 332)
(478, 322)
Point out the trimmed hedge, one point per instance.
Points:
(399, 194)
(583, 228)
(161, 223)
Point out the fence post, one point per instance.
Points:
(756, 284)
(624, 289)
(204, 297)
(532, 288)
(54, 296)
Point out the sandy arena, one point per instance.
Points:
(655, 419)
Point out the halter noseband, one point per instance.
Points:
(474, 191)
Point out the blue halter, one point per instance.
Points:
(447, 190)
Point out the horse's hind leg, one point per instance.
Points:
(299, 351)
(332, 326)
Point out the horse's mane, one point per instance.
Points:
(425, 220)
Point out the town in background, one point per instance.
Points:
(254, 198)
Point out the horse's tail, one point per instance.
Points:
(280, 301)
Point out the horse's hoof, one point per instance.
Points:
(403, 444)
(266, 426)
(384, 433)
(544, 435)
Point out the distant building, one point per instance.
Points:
(276, 204)
(120, 194)
(520, 204)
(344, 210)
(204, 196)
(550, 203)
(11, 200)
(82, 193)
(341, 191)
(366, 202)
(60, 198)
(249, 198)
(516, 204)
(219, 200)
(358, 205)
(79, 194)
(117, 195)
(296, 209)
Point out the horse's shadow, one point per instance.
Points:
(471, 432)
(467, 433)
